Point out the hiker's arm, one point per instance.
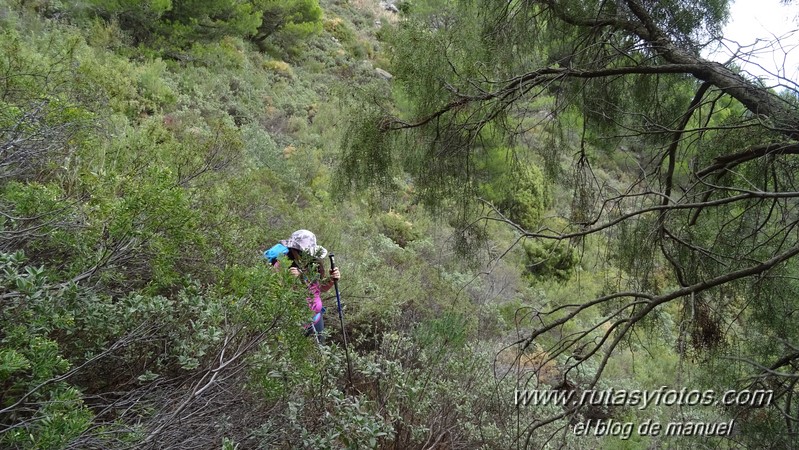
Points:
(334, 276)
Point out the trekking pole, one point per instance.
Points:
(341, 319)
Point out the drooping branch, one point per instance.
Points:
(726, 162)
(531, 79)
(545, 233)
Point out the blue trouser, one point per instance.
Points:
(317, 327)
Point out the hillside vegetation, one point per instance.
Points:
(150, 151)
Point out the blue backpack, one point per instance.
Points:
(275, 252)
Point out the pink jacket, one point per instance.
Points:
(315, 301)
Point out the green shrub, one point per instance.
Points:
(518, 190)
(286, 23)
(281, 68)
(399, 230)
(550, 259)
(47, 411)
(346, 37)
(191, 20)
(177, 23)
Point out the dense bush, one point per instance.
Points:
(550, 259)
(286, 23)
(518, 190)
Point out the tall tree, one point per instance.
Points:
(712, 205)
(288, 21)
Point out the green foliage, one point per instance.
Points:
(449, 331)
(138, 18)
(190, 326)
(366, 154)
(62, 418)
(550, 259)
(348, 38)
(286, 23)
(48, 411)
(693, 19)
(468, 87)
(399, 230)
(405, 6)
(145, 203)
(229, 444)
(354, 425)
(520, 191)
(180, 22)
(173, 25)
(191, 20)
(446, 391)
(40, 116)
(261, 296)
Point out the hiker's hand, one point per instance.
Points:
(294, 271)
(335, 275)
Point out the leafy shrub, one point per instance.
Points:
(40, 408)
(345, 36)
(287, 22)
(429, 392)
(279, 67)
(336, 27)
(519, 190)
(191, 20)
(177, 23)
(399, 230)
(550, 259)
(41, 118)
(224, 54)
(49, 330)
(405, 6)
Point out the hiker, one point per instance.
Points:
(306, 257)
